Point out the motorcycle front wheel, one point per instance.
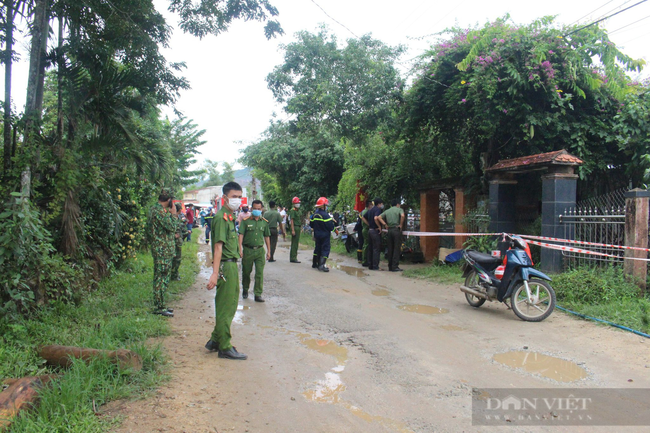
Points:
(472, 282)
(540, 305)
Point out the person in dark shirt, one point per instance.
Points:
(322, 223)
(374, 247)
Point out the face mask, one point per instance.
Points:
(234, 203)
(297, 205)
(256, 213)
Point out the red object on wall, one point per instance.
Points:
(360, 199)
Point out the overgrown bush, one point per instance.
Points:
(32, 272)
(594, 286)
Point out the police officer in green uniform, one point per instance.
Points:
(225, 275)
(275, 220)
(253, 234)
(181, 232)
(366, 232)
(393, 220)
(295, 221)
(162, 226)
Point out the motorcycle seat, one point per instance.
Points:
(484, 259)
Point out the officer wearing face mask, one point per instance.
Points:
(253, 234)
(225, 275)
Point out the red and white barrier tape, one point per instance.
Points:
(425, 234)
(547, 245)
(593, 244)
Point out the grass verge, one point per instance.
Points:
(117, 315)
(604, 293)
(438, 273)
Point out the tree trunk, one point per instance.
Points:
(63, 355)
(59, 85)
(22, 394)
(9, 38)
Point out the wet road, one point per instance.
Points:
(360, 351)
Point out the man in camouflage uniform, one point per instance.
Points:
(163, 225)
(181, 232)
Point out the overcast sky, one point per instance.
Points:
(229, 98)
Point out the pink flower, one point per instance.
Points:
(505, 111)
(463, 100)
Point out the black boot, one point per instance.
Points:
(322, 265)
(315, 261)
(360, 256)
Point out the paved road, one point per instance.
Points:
(355, 351)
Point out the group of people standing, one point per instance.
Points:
(374, 220)
(243, 237)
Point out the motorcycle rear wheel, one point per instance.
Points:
(472, 282)
(542, 305)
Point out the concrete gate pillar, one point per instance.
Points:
(502, 205)
(430, 222)
(636, 234)
(558, 194)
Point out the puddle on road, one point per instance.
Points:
(350, 270)
(381, 292)
(328, 347)
(544, 365)
(423, 309)
(330, 389)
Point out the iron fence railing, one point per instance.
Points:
(594, 225)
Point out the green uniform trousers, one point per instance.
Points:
(366, 242)
(295, 241)
(225, 304)
(257, 258)
(162, 266)
(176, 261)
(274, 242)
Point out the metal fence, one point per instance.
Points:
(594, 224)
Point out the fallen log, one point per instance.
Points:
(22, 394)
(62, 356)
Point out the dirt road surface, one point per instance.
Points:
(361, 351)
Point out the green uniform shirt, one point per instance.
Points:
(392, 216)
(223, 230)
(181, 231)
(254, 232)
(296, 217)
(273, 217)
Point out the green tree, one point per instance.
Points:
(504, 91)
(228, 174)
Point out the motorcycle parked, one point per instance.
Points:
(508, 274)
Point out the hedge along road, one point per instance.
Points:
(359, 351)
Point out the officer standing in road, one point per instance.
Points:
(178, 240)
(322, 224)
(162, 226)
(275, 222)
(393, 220)
(225, 275)
(253, 234)
(374, 232)
(208, 224)
(366, 233)
(294, 222)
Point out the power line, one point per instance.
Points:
(603, 19)
(337, 22)
(634, 39)
(440, 20)
(409, 15)
(589, 14)
(616, 8)
(621, 28)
